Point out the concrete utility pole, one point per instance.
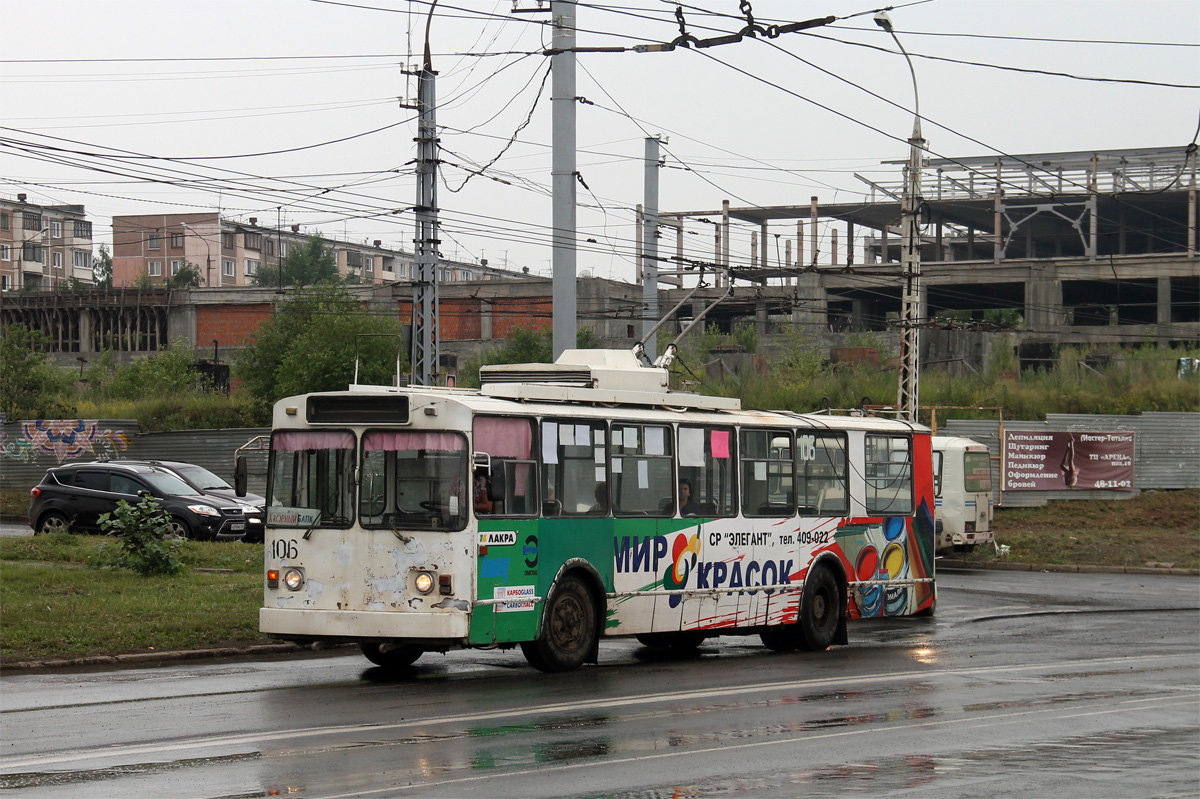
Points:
(908, 393)
(650, 249)
(425, 339)
(565, 322)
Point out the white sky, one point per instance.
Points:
(739, 137)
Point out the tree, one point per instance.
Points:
(309, 345)
(102, 268)
(523, 345)
(306, 265)
(170, 371)
(188, 276)
(30, 388)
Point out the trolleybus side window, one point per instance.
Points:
(312, 479)
(413, 478)
(706, 462)
(821, 471)
(574, 472)
(889, 473)
(643, 482)
(768, 487)
(504, 466)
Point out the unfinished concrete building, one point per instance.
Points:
(1088, 248)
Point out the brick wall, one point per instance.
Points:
(459, 320)
(525, 312)
(462, 319)
(231, 325)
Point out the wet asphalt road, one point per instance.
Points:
(15, 529)
(1023, 685)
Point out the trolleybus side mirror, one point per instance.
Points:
(240, 473)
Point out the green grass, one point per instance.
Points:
(69, 609)
(1154, 527)
(14, 502)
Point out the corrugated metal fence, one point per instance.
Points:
(28, 452)
(1166, 450)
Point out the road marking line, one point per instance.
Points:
(840, 681)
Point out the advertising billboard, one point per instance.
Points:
(1062, 461)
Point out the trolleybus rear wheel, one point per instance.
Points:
(821, 608)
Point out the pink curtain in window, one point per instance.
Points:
(307, 439)
(379, 441)
(506, 438)
(503, 438)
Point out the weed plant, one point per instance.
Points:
(142, 542)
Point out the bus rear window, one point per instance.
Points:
(977, 472)
(889, 473)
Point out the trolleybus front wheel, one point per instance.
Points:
(391, 656)
(568, 634)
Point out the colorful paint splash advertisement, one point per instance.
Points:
(63, 440)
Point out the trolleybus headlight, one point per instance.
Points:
(424, 582)
(293, 579)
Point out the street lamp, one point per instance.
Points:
(208, 248)
(910, 251)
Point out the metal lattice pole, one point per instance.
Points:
(425, 241)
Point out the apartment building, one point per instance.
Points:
(230, 253)
(43, 246)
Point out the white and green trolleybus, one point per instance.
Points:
(562, 503)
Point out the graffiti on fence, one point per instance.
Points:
(62, 439)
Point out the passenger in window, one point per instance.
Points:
(687, 505)
(601, 493)
(482, 503)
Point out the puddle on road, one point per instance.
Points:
(39, 779)
(1141, 762)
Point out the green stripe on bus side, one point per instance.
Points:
(541, 548)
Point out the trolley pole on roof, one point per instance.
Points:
(425, 301)
(563, 173)
(907, 398)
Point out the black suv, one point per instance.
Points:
(207, 482)
(78, 493)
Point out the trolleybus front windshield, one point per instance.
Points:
(414, 479)
(312, 479)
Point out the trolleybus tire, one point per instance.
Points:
(821, 608)
(681, 641)
(569, 634)
(391, 656)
